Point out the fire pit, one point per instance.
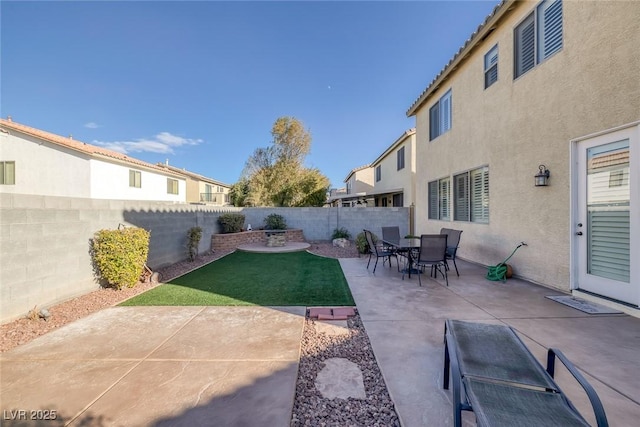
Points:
(276, 238)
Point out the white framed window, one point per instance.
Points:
(439, 199)
(440, 116)
(471, 195)
(400, 160)
(538, 37)
(135, 178)
(172, 186)
(378, 173)
(7, 173)
(491, 67)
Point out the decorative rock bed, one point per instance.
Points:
(325, 346)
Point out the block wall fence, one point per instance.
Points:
(45, 241)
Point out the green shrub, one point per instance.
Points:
(231, 222)
(361, 242)
(120, 255)
(193, 235)
(341, 233)
(275, 222)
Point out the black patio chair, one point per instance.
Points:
(378, 251)
(433, 254)
(392, 234)
(453, 241)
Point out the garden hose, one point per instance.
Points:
(499, 272)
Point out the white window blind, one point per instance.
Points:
(525, 46)
(549, 28)
(539, 36)
(491, 67)
(443, 198)
(433, 200)
(445, 112)
(461, 197)
(479, 194)
(608, 207)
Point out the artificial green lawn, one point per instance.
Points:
(243, 278)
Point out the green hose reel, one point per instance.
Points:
(499, 272)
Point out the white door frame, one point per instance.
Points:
(632, 131)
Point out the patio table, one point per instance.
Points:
(410, 246)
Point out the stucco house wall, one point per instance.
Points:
(393, 179)
(44, 168)
(360, 180)
(111, 181)
(590, 85)
(52, 165)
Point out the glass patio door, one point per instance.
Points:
(603, 230)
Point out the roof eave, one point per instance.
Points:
(463, 53)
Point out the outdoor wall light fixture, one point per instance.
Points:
(542, 177)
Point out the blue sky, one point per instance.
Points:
(201, 83)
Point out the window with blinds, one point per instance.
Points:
(471, 196)
(479, 197)
(7, 173)
(444, 185)
(433, 200)
(608, 207)
(491, 67)
(538, 37)
(135, 178)
(172, 186)
(378, 173)
(440, 116)
(400, 159)
(461, 197)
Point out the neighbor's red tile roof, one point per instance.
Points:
(80, 146)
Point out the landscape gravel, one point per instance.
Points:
(312, 409)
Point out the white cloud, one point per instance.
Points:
(92, 125)
(162, 143)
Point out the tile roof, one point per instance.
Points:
(83, 147)
(478, 36)
(193, 175)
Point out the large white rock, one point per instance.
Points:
(341, 242)
(340, 378)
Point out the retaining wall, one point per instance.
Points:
(45, 241)
(233, 240)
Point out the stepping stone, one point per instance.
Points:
(332, 327)
(344, 311)
(340, 378)
(317, 311)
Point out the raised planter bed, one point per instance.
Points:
(233, 240)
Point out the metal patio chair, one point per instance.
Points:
(378, 251)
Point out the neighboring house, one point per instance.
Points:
(359, 183)
(394, 173)
(553, 83)
(36, 162)
(201, 189)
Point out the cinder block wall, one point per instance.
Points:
(45, 241)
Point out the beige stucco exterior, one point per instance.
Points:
(201, 189)
(393, 181)
(592, 84)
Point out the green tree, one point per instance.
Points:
(276, 176)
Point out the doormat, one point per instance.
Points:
(583, 305)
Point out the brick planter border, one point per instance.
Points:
(231, 241)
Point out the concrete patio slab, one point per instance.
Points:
(405, 324)
(129, 366)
